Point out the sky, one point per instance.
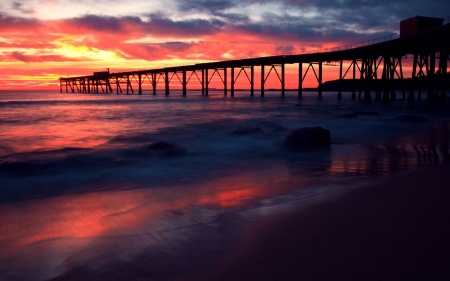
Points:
(42, 40)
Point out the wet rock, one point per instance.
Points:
(310, 138)
(411, 118)
(248, 131)
(167, 149)
(270, 127)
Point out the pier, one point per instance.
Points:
(374, 67)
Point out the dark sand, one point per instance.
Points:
(396, 229)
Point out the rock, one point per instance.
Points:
(270, 127)
(167, 149)
(411, 118)
(248, 131)
(309, 138)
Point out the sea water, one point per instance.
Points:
(82, 195)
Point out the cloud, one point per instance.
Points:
(23, 57)
(103, 23)
(285, 49)
(176, 46)
(8, 22)
(18, 6)
(160, 24)
(193, 29)
(211, 6)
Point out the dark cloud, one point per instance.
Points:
(10, 22)
(159, 24)
(104, 23)
(176, 46)
(285, 49)
(207, 5)
(233, 17)
(18, 6)
(280, 31)
(21, 56)
(338, 17)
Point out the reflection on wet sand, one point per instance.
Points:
(180, 229)
(428, 147)
(73, 225)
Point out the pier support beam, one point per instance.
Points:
(203, 82)
(206, 82)
(443, 63)
(263, 78)
(184, 83)
(413, 80)
(431, 75)
(154, 83)
(129, 86)
(354, 62)
(282, 80)
(108, 85)
(252, 80)
(320, 79)
(386, 76)
(232, 81)
(339, 96)
(300, 79)
(166, 82)
(225, 82)
(140, 83)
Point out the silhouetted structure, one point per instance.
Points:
(426, 39)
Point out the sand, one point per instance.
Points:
(395, 229)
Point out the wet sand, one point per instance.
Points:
(395, 229)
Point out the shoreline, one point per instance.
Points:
(394, 229)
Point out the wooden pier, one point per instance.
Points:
(427, 40)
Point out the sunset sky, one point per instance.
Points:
(41, 40)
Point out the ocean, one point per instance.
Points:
(83, 195)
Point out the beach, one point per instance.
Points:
(396, 229)
(87, 194)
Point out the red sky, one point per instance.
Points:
(41, 40)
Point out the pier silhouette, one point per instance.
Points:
(426, 39)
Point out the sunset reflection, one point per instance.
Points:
(66, 221)
(427, 147)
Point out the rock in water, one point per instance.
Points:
(167, 149)
(248, 131)
(310, 138)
